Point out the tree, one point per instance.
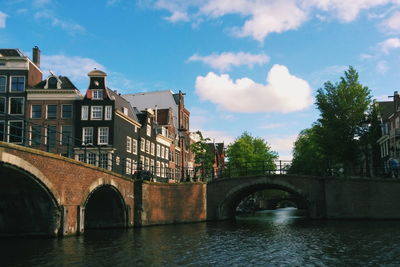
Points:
(249, 153)
(343, 108)
(203, 156)
(307, 156)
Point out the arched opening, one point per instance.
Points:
(27, 207)
(261, 197)
(105, 208)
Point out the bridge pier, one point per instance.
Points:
(72, 219)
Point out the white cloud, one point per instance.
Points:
(261, 18)
(392, 24)
(218, 136)
(283, 145)
(273, 125)
(382, 67)
(282, 93)
(389, 44)
(41, 3)
(70, 27)
(3, 17)
(226, 60)
(74, 67)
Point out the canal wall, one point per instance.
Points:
(161, 203)
(348, 198)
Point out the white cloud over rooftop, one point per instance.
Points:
(283, 92)
(3, 17)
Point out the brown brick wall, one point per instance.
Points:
(170, 203)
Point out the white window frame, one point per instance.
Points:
(167, 153)
(162, 152)
(41, 111)
(101, 135)
(147, 164)
(46, 134)
(95, 95)
(84, 113)
(152, 148)
(158, 150)
(148, 130)
(142, 144)
(134, 166)
(4, 130)
(5, 85)
(128, 166)
(134, 146)
(92, 113)
(47, 111)
(17, 76)
(141, 162)
(147, 146)
(128, 144)
(158, 168)
(9, 106)
(83, 135)
(62, 111)
(108, 113)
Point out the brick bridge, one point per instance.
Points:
(46, 194)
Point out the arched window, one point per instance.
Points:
(52, 83)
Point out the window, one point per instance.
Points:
(81, 157)
(147, 164)
(36, 135)
(141, 162)
(16, 129)
(2, 104)
(134, 146)
(66, 112)
(152, 165)
(148, 130)
(36, 111)
(66, 135)
(51, 135)
(52, 83)
(87, 135)
(3, 83)
(97, 94)
(135, 128)
(166, 153)
(134, 166)
(102, 136)
(51, 112)
(128, 144)
(157, 168)
(147, 146)
(128, 166)
(162, 170)
(84, 112)
(162, 152)
(17, 84)
(16, 105)
(152, 148)
(142, 141)
(108, 112)
(91, 158)
(158, 150)
(97, 113)
(125, 111)
(2, 131)
(103, 160)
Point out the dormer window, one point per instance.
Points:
(97, 94)
(52, 83)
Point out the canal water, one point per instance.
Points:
(271, 238)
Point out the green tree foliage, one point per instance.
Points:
(250, 154)
(203, 156)
(343, 108)
(307, 156)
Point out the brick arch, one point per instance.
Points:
(32, 172)
(100, 182)
(226, 207)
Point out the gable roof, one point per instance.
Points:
(385, 109)
(121, 102)
(65, 84)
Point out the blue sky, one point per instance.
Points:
(245, 65)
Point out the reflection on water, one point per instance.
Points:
(269, 238)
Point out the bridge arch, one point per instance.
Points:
(104, 206)
(29, 204)
(227, 207)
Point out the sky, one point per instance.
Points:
(245, 65)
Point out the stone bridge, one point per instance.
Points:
(323, 197)
(46, 194)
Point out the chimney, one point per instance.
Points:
(36, 56)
